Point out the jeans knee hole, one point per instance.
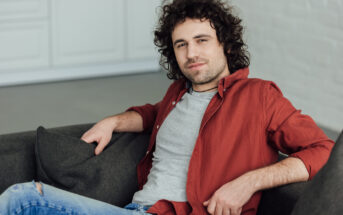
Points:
(39, 188)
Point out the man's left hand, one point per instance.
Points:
(230, 198)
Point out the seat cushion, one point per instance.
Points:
(69, 163)
(324, 195)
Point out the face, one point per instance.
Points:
(199, 54)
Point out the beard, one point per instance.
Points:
(203, 79)
(200, 77)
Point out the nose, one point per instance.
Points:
(192, 51)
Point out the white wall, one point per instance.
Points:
(48, 40)
(299, 45)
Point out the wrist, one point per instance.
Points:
(112, 122)
(253, 181)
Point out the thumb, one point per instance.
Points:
(206, 203)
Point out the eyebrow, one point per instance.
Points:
(195, 37)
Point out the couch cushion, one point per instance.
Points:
(17, 158)
(69, 163)
(324, 195)
(280, 200)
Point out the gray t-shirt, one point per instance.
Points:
(175, 141)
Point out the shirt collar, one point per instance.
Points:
(227, 81)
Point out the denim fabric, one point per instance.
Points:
(137, 207)
(25, 199)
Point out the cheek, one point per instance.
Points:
(219, 55)
(179, 59)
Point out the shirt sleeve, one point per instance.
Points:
(148, 113)
(294, 133)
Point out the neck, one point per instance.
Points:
(201, 91)
(211, 85)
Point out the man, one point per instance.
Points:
(216, 133)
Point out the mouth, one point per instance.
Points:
(194, 66)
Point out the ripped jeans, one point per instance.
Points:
(25, 199)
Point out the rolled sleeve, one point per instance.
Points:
(294, 133)
(148, 113)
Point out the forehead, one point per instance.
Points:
(192, 27)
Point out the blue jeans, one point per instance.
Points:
(25, 199)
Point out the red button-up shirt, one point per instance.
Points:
(244, 126)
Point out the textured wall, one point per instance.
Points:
(299, 45)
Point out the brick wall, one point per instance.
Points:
(299, 45)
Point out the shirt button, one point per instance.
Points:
(173, 103)
(147, 152)
(157, 126)
(224, 90)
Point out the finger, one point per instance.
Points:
(88, 138)
(236, 211)
(84, 135)
(205, 203)
(100, 147)
(226, 211)
(211, 206)
(218, 210)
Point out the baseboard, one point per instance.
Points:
(9, 78)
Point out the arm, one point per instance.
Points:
(134, 119)
(294, 133)
(101, 132)
(234, 194)
(288, 131)
(130, 121)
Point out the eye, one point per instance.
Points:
(179, 45)
(202, 40)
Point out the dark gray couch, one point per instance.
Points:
(18, 164)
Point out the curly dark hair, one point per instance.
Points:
(228, 29)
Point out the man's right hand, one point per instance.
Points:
(101, 133)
